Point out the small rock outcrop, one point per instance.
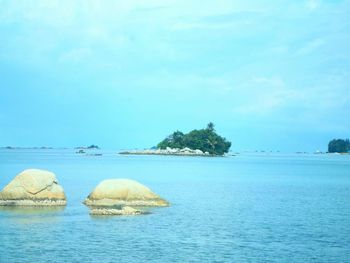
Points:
(123, 211)
(168, 151)
(33, 187)
(121, 197)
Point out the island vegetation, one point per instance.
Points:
(92, 146)
(339, 146)
(206, 140)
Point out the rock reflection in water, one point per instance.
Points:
(29, 215)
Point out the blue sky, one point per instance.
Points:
(272, 75)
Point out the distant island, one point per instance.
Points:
(339, 146)
(82, 150)
(206, 140)
(92, 146)
(203, 142)
(27, 148)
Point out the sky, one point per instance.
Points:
(271, 75)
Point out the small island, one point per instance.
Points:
(92, 146)
(339, 146)
(203, 142)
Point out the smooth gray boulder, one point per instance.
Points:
(33, 187)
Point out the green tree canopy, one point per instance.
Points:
(206, 140)
(339, 145)
(175, 140)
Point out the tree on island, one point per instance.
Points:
(206, 140)
(92, 146)
(211, 126)
(339, 146)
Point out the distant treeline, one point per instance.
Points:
(206, 140)
(339, 146)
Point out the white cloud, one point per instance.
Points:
(312, 4)
(263, 95)
(311, 46)
(75, 55)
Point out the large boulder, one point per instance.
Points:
(33, 187)
(123, 192)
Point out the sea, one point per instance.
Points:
(251, 207)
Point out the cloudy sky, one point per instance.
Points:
(272, 75)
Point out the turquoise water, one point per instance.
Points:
(247, 208)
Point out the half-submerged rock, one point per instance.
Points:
(33, 187)
(120, 196)
(123, 211)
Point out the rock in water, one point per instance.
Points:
(33, 187)
(124, 211)
(123, 192)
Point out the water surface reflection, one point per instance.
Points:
(32, 214)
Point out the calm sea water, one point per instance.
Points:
(247, 208)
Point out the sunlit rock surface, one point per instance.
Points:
(123, 211)
(33, 187)
(168, 151)
(123, 192)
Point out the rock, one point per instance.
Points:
(33, 187)
(124, 211)
(199, 152)
(123, 192)
(186, 149)
(169, 151)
